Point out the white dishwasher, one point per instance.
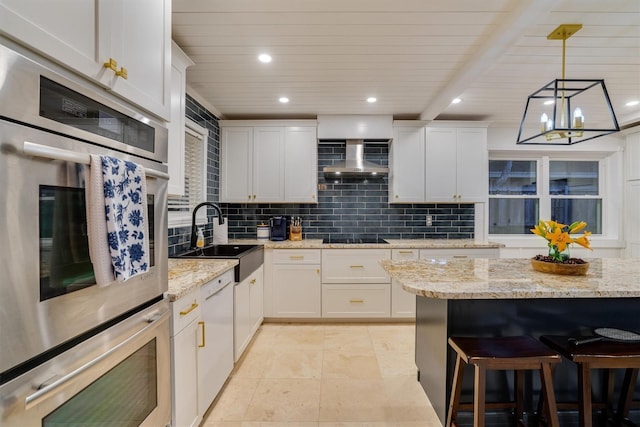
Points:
(215, 349)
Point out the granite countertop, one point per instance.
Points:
(513, 279)
(187, 274)
(392, 244)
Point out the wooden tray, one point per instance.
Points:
(558, 268)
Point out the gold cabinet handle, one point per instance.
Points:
(189, 310)
(356, 266)
(460, 256)
(296, 256)
(254, 197)
(356, 301)
(202, 344)
(122, 72)
(405, 252)
(253, 281)
(318, 270)
(112, 64)
(249, 197)
(397, 196)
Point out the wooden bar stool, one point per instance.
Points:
(520, 353)
(600, 355)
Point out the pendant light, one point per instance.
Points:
(567, 111)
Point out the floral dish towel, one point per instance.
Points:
(125, 204)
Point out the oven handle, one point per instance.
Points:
(40, 150)
(32, 400)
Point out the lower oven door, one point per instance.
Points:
(120, 377)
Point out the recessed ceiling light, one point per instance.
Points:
(371, 99)
(263, 57)
(283, 99)
(549, 102)
(632, 103)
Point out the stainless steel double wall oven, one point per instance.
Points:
(73, 353)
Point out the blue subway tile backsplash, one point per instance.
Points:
(346, 209)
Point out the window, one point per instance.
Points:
(521, 192)
(195, 159)
(513, 196)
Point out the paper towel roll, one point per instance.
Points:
(220, 232)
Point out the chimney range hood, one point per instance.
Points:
(355, 131)
(354, 164)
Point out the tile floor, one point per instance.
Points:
(325, 375)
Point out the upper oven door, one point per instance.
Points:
(47, 289)
(42, 94)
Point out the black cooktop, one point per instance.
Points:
(354, 240)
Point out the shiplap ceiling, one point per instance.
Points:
(414, 56)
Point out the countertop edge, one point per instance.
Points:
(188, 274)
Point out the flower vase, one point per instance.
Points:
(559, 256)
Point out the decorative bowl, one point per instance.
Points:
(560, 268)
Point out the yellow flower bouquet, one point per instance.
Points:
(559, 238)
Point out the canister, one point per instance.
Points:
(263, 232)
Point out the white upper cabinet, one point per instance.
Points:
(407, 164)
(301, 164)
(268, 164)
(123, 46)
(176, 128)
(456, 165)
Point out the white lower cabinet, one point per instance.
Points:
(184, 360)
(452, 253)
(248, 310)
(356, 300)
(296, 283)
(403, 303)
(354, 284)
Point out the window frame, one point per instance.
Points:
(607, 165)
(183, 219)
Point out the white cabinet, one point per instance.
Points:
(457, 165)
(262, 164)
(407, 164)
(451, 253)
(354, 284)
(248, 310)
(403, 303)
(176, 128)
(301, 164)
(215, 350)
(123, 46)
(295, 288)
(185, 339)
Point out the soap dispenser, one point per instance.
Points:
(200, 239)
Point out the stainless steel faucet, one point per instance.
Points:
(194, 228)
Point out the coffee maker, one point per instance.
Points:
(279, 228)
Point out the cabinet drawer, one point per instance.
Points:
(354, 266)
(296, 256)
(184, 311)
(356, 300)
(405, 253)
(459, 253)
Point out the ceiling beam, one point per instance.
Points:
(506, 33)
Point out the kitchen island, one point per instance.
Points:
(501, 297)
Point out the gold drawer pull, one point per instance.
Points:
(358, 301)
(357, 266)
(122, 72)
(203, 334)
(296, 257)
(189, 310)
(405, 252)
(253, 281)
(460, 256)
(112, 64)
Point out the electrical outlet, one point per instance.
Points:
(429, 220)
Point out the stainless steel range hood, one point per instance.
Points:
(354, 164)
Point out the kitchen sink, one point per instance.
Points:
(249, 257)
